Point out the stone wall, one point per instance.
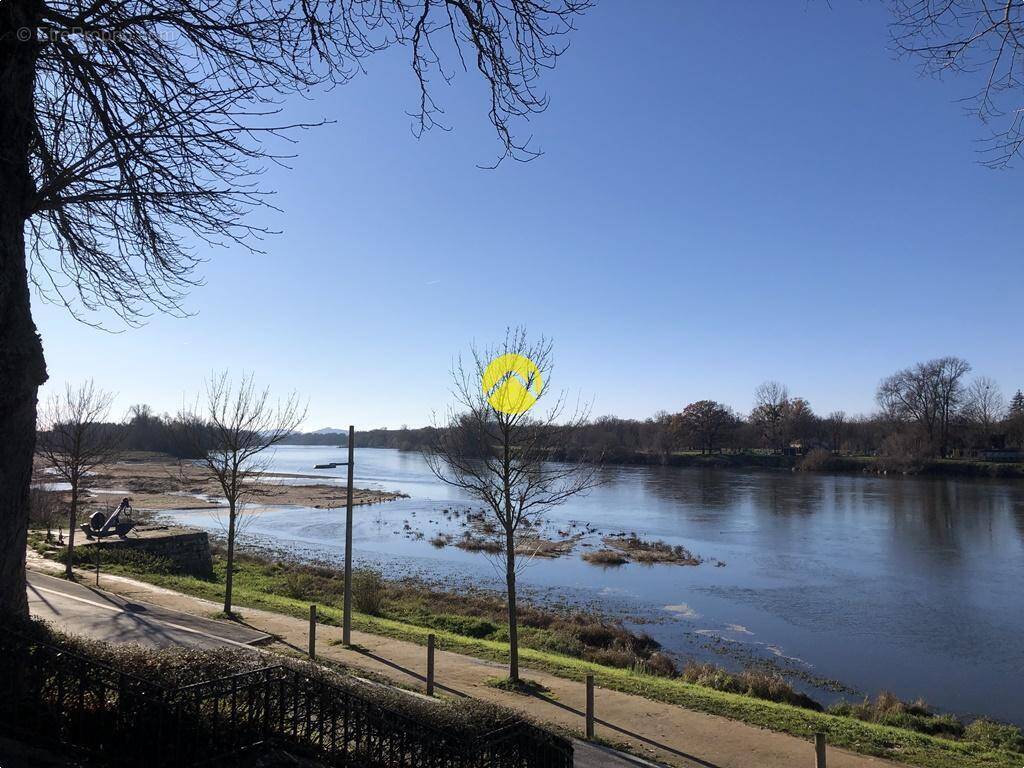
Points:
(187, 548)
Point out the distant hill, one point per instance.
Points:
(328, 431)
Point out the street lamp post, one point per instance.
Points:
(346, 632)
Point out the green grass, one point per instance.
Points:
(253, 588)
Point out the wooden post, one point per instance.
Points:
(346, 630)
(312, 631)
(590, 707)
(819, 750)
(430, 664)
(97, 545)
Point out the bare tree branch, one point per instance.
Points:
(982, 39)
(75, 437)
(233, 434)
(504, 458)
(154, 121)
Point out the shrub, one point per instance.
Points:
(612, 657)
(368, 591)
(888, 709)
(173, 667)
(298, 585)
(596, 634)
(660, 664)
(761, 684)
(472, 543)
(816, 460)
(995, 735)
(902, 453)
(554, 641)
(606, 557)
(469, 626)
(131, 559)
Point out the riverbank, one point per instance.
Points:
(288, 590)
(834, 464)
(156, 483)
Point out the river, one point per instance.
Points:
(912, 585)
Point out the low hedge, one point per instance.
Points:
(175, 667)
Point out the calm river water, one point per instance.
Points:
(906, 584)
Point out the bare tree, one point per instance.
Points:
(75, 438)
(501, 455)
(984, 405)
(836, 422)
(233, 432)
(45, 508)
(983, 39)
(927, 394)
(771, 399)
(133, 134)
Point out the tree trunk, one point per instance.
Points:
(72, 525)
(229, 575)
(513, 612)
(21, 354)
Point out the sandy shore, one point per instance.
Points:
(160, 484)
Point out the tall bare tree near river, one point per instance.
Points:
(75, 437)
(133, 133)
(502, 458)
(232, 433)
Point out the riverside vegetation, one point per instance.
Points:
(574, 644)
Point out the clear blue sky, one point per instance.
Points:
(729, 193)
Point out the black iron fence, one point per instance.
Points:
(50, 695)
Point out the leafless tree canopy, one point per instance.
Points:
(75, 437)
(984, 404)
(232, 433)
(150, 117)
(983, 39)
(770, 402)
(927, 394)
(75, 432)
(240, 423)
(504, 459)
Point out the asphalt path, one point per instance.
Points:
(79, 609)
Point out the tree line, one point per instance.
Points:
(932, 409)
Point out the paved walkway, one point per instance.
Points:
(82, 609)
(662, 732)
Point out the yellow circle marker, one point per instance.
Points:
(512, 383)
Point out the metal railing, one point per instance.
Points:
(52, 696)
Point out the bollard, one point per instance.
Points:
(430, 665)
(819, 750)
(590, 707)
(312, 631)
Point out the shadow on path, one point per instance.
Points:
(547, 699)
(624, 732)
(387, 662)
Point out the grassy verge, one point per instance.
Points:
(255, 587)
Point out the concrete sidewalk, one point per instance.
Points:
(662, 732)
